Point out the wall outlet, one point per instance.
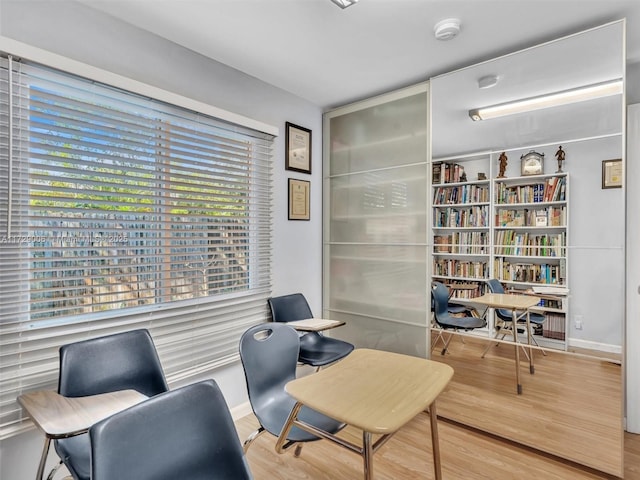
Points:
(577, 322)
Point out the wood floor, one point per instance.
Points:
(570, 407)
(590, 411)
(465, 455)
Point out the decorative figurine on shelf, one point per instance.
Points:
(482, 176)
(503, 164)
(463, 175)
(560, 156)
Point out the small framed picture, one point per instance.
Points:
(299, 199)
(298, 148)
(612, 173)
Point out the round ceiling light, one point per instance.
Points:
(447, 29)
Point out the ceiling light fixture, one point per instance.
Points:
(552, 100)
(447, 29)
(344, 3)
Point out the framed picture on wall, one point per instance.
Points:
(299, 199)
(298, 148)
(612, 173)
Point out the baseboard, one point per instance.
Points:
(241, 410)
(601, 347)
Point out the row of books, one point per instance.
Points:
(461, 194)
(509, 242)
(448, 173)
(462, 242)
(554, 326)
(461, 217)
(552, 190)
(456, 268)
(529, 273)
(545, 217)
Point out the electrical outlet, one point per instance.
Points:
(577, 322)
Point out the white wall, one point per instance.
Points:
(75, 31)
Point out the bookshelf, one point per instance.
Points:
(514, 229)
(530, 245)
(461, 212)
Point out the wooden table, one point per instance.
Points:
(61, 417)
(513, 302)
(375, 391)
(315, 324)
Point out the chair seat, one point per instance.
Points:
(79, 449)
(319, 350)
(534, 318)
(464, 323)
(456, 308)
(273, 415)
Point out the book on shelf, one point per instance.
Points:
(442, 243)
(541, 218)
(436, 173)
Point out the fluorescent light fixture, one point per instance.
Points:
(552, 100)
(344, 3)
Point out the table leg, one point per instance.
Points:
(367, 455)
(514, 329)
(532, 368)
(43, 458)
(435, 442)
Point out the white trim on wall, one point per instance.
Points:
(44, 57)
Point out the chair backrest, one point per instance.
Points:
(496, 287)
(440, 299)
(269, 354)
(289, 308)
(120, 361)
(185, 433)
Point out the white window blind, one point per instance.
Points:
(121, 212)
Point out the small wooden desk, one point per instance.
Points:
(377, 392)
(514, 303)
(60, 417)
(315, 324)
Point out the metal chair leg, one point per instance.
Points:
(247, 443)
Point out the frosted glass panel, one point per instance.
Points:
(384, 135)
(375, 228)
(387, 282)
(385, 206)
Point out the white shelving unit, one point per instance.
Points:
(514, 229)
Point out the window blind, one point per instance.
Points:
(118, 212)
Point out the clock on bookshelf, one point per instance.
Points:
(532, 163)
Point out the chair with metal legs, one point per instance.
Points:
(269, 354)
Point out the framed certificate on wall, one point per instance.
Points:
(298, 148)
(299, 199)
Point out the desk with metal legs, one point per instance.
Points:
(514, 303)
(375, 391)
(60, 417)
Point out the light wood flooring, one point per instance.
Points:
(570, 407)
(465, 454)
(590, 413)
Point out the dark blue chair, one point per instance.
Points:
(122, 361)
(316, 349)
(269, 354)
(185, 433)
(443, 318)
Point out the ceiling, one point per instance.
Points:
(331, 57)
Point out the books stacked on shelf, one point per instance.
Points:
(529, 273)
(442, 172)
(471, 193)
(442, 243)
(551, 190)
(553, 326)
(467, 293)
(545, 217)
(511, 242)
(462, 269)
(463, 243)
(452, 217)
